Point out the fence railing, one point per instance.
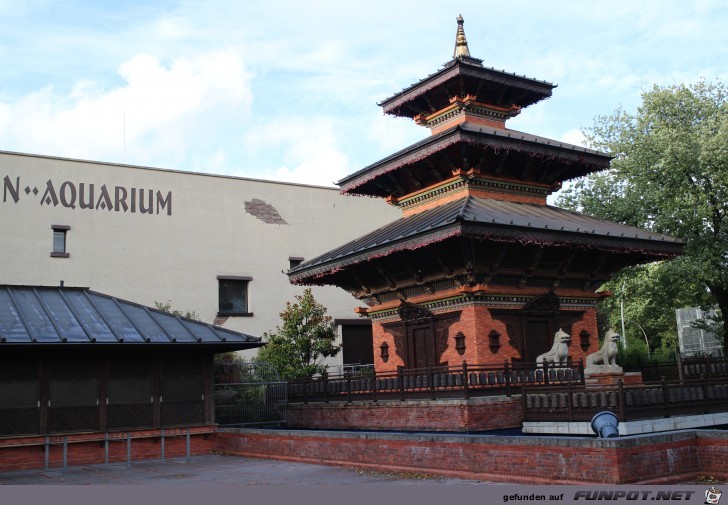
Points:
(247, 404)
(682, 368)
(658, 399)
(433, 382)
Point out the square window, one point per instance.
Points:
(294, 261)
(60, 233)
(233, 296)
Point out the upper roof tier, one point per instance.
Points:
(493, 153)
(466, 76)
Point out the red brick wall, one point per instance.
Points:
(23, 453)
(528, 460)
(454, 415)
(476, 323)
(713, 453)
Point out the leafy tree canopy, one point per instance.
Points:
(669, 175)
(307, 336)
(167, 307)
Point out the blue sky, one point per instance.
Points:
(287, 90)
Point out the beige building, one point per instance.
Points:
(213, 244)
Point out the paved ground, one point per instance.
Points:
(214, 469)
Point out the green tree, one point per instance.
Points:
(669, 175)
(307, 336)
(650, 294)
(167, 307)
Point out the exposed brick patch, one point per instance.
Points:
(220, 320)
(263, 211)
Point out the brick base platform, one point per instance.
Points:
(645, 459)
(25, 453)
(475, 414)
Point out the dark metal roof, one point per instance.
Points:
(495, 220)
(63, 315)
(488, 137)
(529, 90)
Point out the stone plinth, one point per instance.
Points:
(600, 369)
(612, 378)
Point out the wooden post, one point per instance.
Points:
(525, 403)
(325, 377)
(374, 387)
(581, 371)
(665, 397)
(431, 378)
(508, 378)
(348, 387)
(680, 373)
(569, 402)
(466, 392)
(705, 383)
(400, 378)
(621, 399)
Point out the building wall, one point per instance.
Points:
(198, 228)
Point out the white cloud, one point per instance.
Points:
(310, 150)
(390, 134)
(155, 115)
(574, 137)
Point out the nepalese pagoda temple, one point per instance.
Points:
(479, 268)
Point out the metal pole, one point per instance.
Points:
(162, 444)
(128, 450)
(621, 305)
(47, 451)
(106, 448)
(647, 343)
(65, 453)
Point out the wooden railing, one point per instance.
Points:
(682, 368)
(433, 382)
(658, 399)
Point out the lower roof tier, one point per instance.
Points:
(485, 242)
(498, 153)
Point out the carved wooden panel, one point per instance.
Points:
(517, 323)
(438, 333)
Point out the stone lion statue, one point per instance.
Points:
(607, 355)
(559, 353)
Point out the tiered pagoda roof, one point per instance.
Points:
(463, 76)
(473, 196)
(421, 249)
(493, 152)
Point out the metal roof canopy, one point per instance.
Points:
(64, 316)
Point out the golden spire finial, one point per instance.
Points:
(461, 43)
